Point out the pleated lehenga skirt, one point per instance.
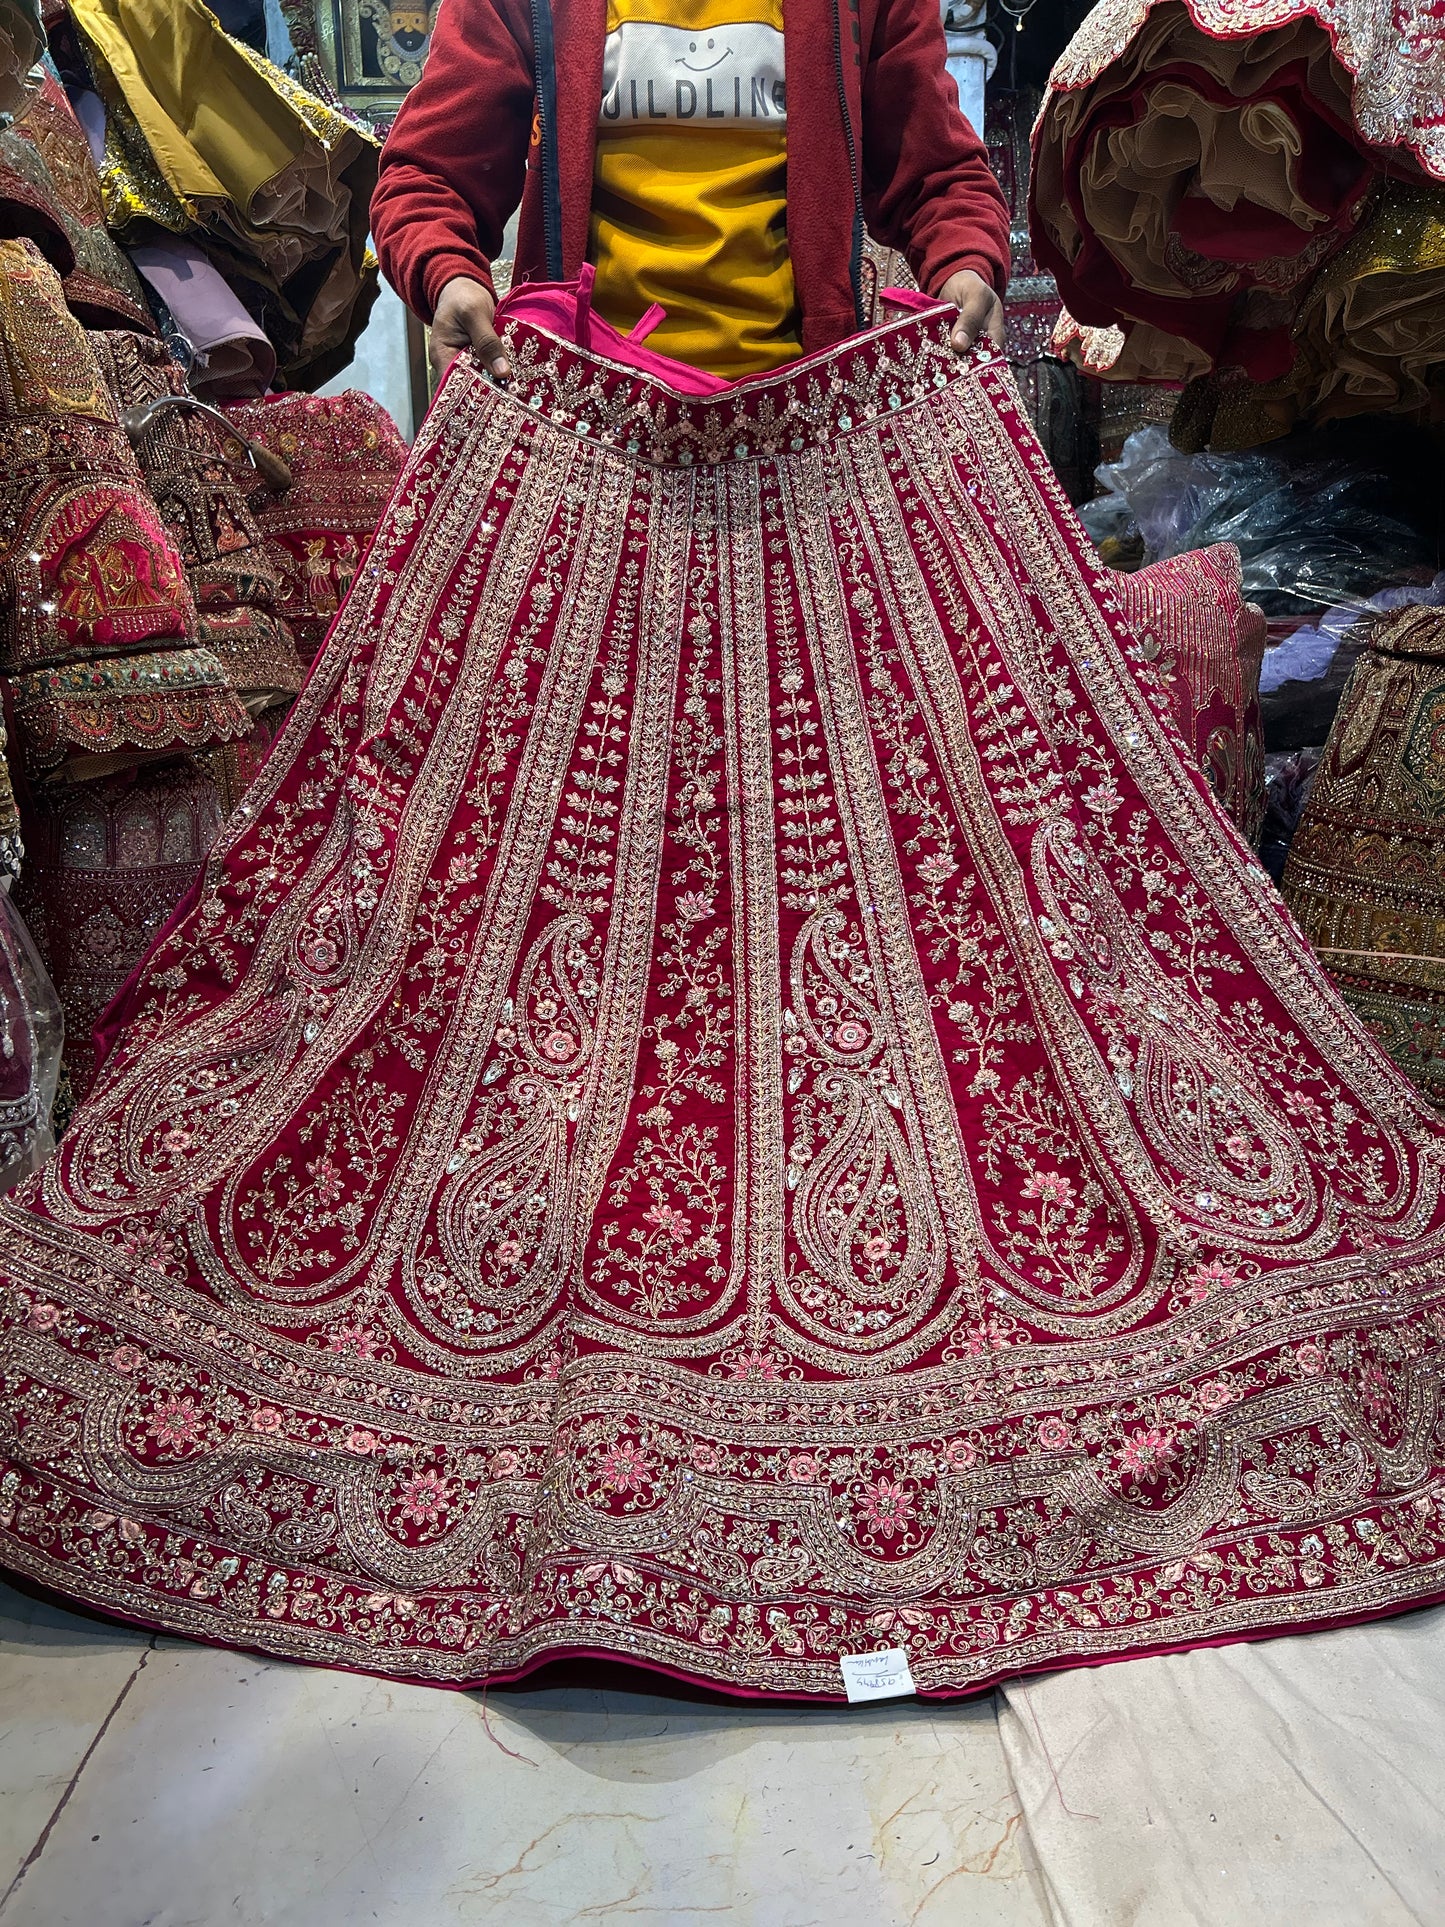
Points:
(728, 1099)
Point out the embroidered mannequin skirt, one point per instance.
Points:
(729, 1098)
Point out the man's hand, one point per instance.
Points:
(463, 319)
(980, 312)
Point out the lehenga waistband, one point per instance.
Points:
(812, 401)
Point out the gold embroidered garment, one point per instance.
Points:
(1366, 869)
(730, 1098)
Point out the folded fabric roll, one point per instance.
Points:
(11, 846)
(233, 356)
(86, 566)
(193, 469)
(80, 720)
(183, 455)
(48, 146)
(1365, 874)
(345, 454)
(1195, 167)
(206, 139)
(1206, 644)
(258, 652)
(1369, 337)
(22, 41)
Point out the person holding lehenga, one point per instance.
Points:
(729, 1098)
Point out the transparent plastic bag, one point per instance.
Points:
(32, 1031)
(1311, 534)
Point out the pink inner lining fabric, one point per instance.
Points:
(564, 309)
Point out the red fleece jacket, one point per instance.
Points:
(457, 161)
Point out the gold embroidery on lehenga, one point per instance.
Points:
(799, 798)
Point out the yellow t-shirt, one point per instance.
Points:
(690, 186)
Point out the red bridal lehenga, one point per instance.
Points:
(729, 1099)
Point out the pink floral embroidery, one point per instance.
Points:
(704, 1456)
(1053, 1435)
(147, 1244)
(802, 1468)
(360, 1441)
(850, 1034)
(1216, 1393)
(355, 1339)
(877, 1248)
(1206, 1279)
(1312, 1361)
(127, 1358)
(1302, 1106)
(559, 1045)
(755, 1365)
(177, 1139)
(504, 1464)
(175, 1422)
(693, 906)
(937, 868)
(326, 1176)
(960, 1454)
(887, 1508)
(424, 1497)
(266, 1418)
(1375, 1393)
(1051, 1186)
(1146, 1454)
(671, 1222)
(624, 1467)
(43, 1318)
(509, 1252)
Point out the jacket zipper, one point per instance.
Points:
(855, 251)
(544, 62)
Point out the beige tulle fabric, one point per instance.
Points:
(1260, 207)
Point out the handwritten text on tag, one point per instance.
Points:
(877, 1676)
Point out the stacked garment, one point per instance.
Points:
(31, 1029)
(145, 663)
(102, 665)
(31, 1023)
(48, 150)
(207, 141)
(343, 454)
(22, 39)
(1365, 873)
(1206, 645)
(1252, 196)
(99, 647)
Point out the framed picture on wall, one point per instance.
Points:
(372, 51)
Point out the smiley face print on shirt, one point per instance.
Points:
(689, 198)
(657, 73)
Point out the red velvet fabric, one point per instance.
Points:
(730, 1097)
(345, 454)
(456, 163)
(1206, 644)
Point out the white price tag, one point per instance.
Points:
(877, 1676)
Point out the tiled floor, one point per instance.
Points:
(155, 1784)
(149, 1783)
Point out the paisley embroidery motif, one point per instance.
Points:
(728, 1093)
